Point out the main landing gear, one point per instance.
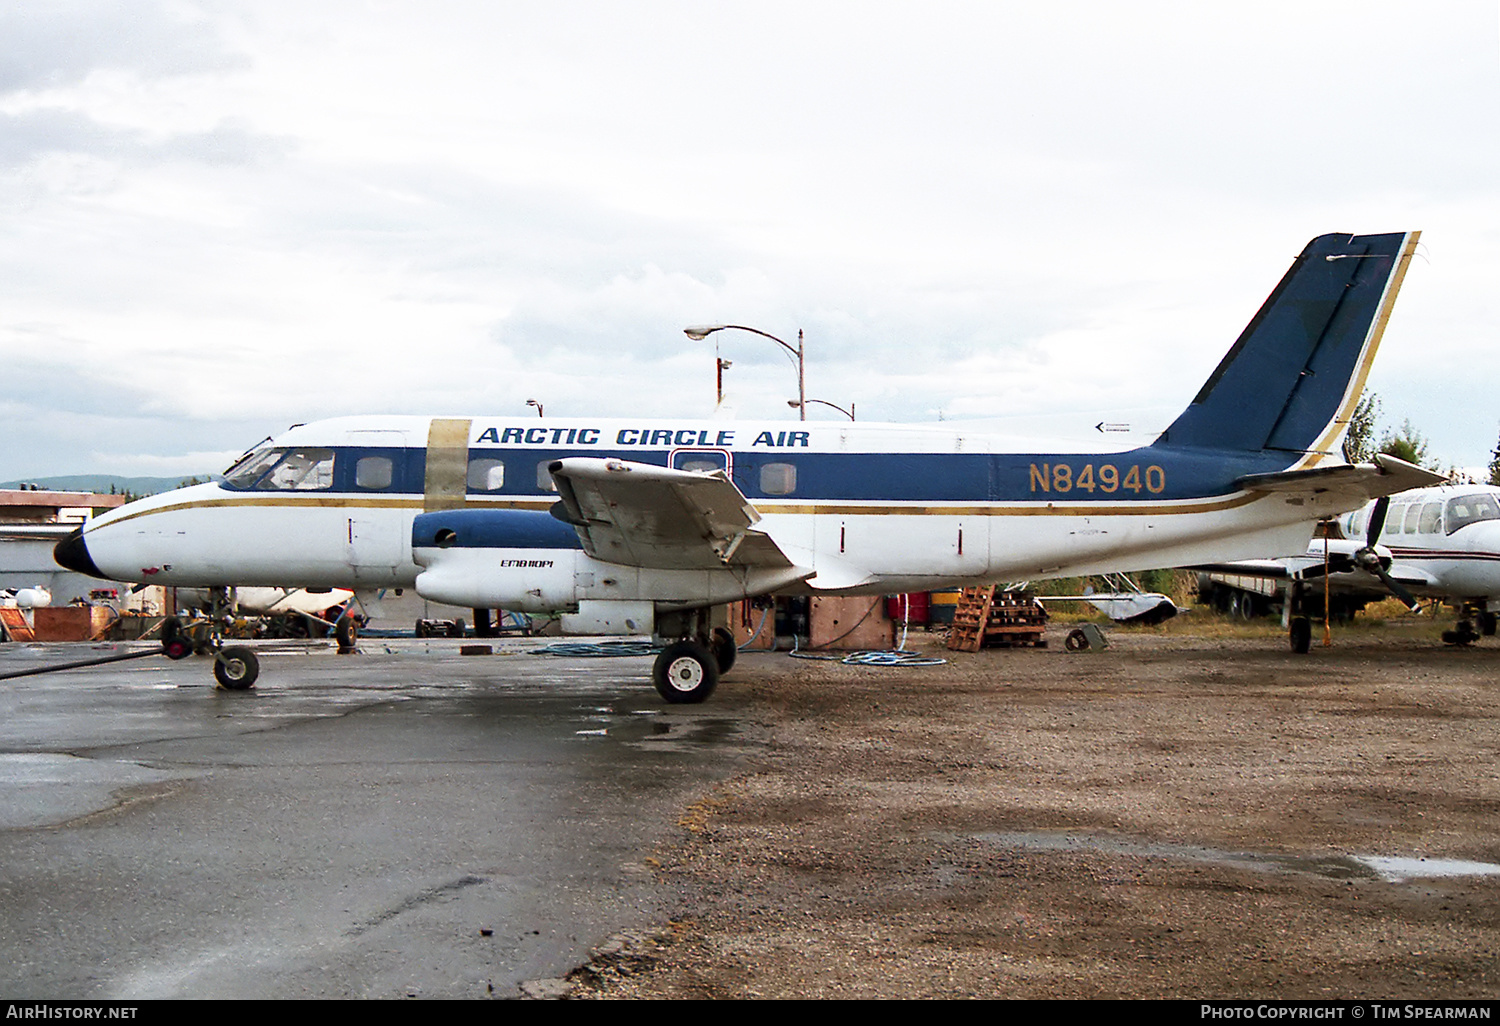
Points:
(687, 671)
(1299, 626)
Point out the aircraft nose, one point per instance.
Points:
(72, 553)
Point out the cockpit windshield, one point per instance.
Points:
(281, 470)
(252, 456)
(1470, 509)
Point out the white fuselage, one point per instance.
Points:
(1444, 541)
(870, 508)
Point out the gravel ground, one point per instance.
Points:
(1178, 816)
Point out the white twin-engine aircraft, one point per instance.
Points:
(1441, 543)
(638, 527)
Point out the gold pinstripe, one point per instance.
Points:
(1050, 509)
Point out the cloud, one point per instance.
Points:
(219, 219)
(52, 44)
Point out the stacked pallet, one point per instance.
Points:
(984, 619)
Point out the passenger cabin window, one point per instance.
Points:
(1393, 520)
(1359, 524)
(544, 480)
(486, 475)
(700, 461)
(1413, 514)
(374, 472)
(1432, 515)
(778, 478)
(285, 470)
(1470, 509)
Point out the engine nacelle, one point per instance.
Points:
(524, 560)
(528, 561)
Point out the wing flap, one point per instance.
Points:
(639, 514)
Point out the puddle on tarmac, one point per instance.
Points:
(1391, 869)
(44, 788)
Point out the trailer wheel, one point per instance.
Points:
(235, 668)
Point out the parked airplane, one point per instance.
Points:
(1439, 543)
(640, 526)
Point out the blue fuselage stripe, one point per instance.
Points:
(1149, 474)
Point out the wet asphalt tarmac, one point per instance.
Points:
(349, 828)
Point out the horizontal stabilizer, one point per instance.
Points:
(1385, 475)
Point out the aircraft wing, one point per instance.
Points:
(1359, 482)
(1339, 558)
(638, 514)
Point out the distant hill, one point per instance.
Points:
(102, 483)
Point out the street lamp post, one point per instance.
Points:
(848, 413)
(533, 402)
(699, 332)
(723, 366)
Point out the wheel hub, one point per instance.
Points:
(685, 673)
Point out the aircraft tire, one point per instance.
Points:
(235, 668)
(721, 643)
(1301, 635)
(685, 673)
(346, 632)
(1487, 624)
(1076, 641)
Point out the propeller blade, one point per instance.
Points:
(1377, 520)
(1395, 588)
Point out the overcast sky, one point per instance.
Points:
(221, 218)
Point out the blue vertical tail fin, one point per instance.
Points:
(1293, 377)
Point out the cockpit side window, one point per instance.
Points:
(302, 470)
(1470, 509)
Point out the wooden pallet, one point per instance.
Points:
(14, 626)
(984, 619)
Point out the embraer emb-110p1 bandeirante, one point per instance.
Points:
(640, 526)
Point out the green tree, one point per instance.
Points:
(1495, 465)
(1359, 439)
(1408, 444)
